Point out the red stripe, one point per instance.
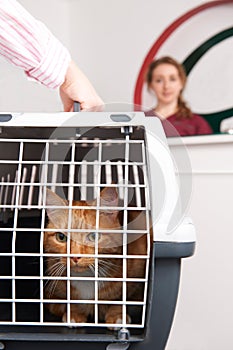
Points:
(15, 23)
(20, 64)
(13, 55)
(30, 39)
(163, 37)
(52, 83)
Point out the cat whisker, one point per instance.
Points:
(55, 270)
(107, 268)
(101, 274)
(92, 268)
(52, 284)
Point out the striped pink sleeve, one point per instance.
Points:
(28, 44)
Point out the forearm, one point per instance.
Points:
(28, 44)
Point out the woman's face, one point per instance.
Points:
(166, 83)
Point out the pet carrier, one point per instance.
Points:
(91, 232)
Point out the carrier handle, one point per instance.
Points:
(5, 117)
(77, 106)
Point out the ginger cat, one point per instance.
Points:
(83, 266)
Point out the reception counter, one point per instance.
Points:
(204, 314)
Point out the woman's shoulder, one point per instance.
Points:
(199, 119)
(151, 113)
(197, 116)
(202, 124)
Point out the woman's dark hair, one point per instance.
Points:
(183, 110)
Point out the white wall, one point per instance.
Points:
(113, 37)
(108, 39)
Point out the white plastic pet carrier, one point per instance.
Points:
(48, 161)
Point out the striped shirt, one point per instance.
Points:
(28, 44)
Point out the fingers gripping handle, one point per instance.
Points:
(76, 106)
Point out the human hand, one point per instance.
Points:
(77, 87)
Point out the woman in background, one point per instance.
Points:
(167, 78)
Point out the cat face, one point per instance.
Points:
(90, 240)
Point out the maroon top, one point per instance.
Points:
(174, 126)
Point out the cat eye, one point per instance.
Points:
(61, 237)
(92, 236)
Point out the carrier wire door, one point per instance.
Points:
(73, 194)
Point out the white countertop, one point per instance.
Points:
(200, 139)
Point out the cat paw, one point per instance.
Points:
(74, 319)
(117, 321)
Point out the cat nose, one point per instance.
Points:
(75, 259)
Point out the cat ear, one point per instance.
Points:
(58, 216)
(109, 198)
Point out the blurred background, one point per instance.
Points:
(110, 41)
